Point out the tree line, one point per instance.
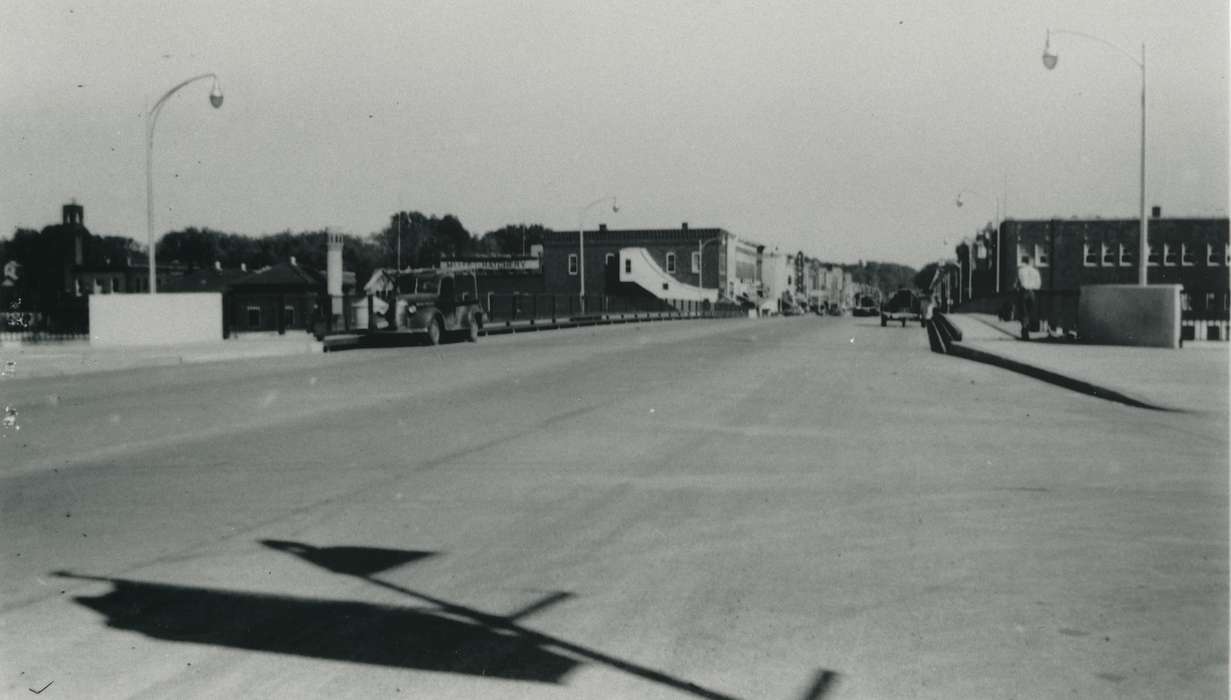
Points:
(46, 256)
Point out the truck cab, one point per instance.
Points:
(438, 304)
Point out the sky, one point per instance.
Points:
(844, 129)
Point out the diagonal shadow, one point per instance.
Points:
(508, 624)
(325, 629)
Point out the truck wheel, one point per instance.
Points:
(884, 321)
(434, 332)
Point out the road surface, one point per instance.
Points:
(785, 508)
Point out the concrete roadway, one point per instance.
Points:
(790, 508)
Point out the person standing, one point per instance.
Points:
(1028, 282)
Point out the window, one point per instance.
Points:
(254, 317)
(1169, 254)
(628, 266)
(1040, 255)
(288, 315)
(1088, 255)
(1187, 259)
(1109, 255)
(572, 264)
(115, 284)
(696, 262)
(1186, 301)
(98, 286)
(1211, 301)
(1155, 256)
(609, 260)
(670, 262)
(1211, 254)
(1126, 256)
(1022, 256)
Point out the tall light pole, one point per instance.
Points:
(996, 222)
(581, 242)
(1049, 62)
(151, 120)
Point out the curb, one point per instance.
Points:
(944, 335)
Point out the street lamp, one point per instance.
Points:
(996, 222)
(1049, 62)
(151, 119)
(581, 242)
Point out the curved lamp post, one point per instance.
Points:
(581, 242)
(958, 201)
(1049, 62)
(151, 120)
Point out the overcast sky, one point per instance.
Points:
(844, 129)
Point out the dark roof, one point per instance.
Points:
(282, 275)
(287, 277)
(207, 280)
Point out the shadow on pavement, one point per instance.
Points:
(354, 561)
(325, 629)
(435, 635)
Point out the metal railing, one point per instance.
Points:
(533, 309)
(59, 324)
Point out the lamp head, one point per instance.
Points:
(1049, 59)
(215, 94)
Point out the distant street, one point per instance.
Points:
(783, 508)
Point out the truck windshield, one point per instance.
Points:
(419, 285)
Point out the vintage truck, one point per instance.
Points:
(438, 305)
(434, 305)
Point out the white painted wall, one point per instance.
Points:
(161, 319)
(640, 268)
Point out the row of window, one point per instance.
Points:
(610, 260)
(254, 316)
(1210, 299)
(1120, 255)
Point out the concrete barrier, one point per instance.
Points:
(1124, 314)
(161, 319)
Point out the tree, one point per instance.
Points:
(424, 239)
(513, 239)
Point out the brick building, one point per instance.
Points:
(1069, 253)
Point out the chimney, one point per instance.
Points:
(602, 227)
(1156, 212)
(684, 226)
(73, 213)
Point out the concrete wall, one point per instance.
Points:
(1122, 314)
(163, 319)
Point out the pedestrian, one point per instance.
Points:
(1028, 282)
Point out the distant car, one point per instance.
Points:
(903, 306)
(866, 307)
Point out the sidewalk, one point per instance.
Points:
(1193, 378)
(55, 359)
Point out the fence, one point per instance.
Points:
(69, 322)
(508, 309)
(1205, 329)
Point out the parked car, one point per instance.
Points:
(439, 304)
(903, 306)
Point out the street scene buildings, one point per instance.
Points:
(623, 350)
